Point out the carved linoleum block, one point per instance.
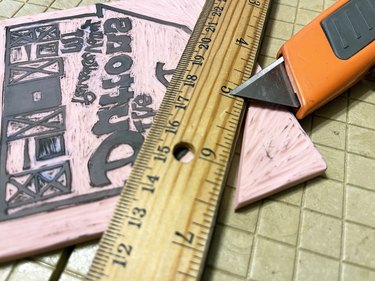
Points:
(80, 89)
(276, 154)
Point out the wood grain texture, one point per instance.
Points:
(276, 154)
(167, 210)
(78, 59)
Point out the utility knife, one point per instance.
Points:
(321, 61)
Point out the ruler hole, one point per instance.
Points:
(183, 152)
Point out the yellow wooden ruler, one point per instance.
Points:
(163, 222)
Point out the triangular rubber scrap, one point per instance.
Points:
(276, 154)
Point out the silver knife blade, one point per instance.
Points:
(272, 85)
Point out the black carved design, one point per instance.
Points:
(50, 49)
(28, 51)
(33, 112)
(22, 37)
(99, 165)
(49, 147)
(31, 70)
(72, 42)
(47, 33)
(161, 73)
(33, 186)
(35, 34)
(26, 156)
(32, 96)
(36, 124)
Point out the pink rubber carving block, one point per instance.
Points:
(79, 90)
(276, 154)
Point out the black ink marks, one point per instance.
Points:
(36, 123)
(113, 116)
(82, 93)
(161, 73)
(72, 42)
(50, 49)
(25, 98)
(28, 51)
(35, 145)
(49, 147)
(90, 32)
(116, 25)
(104, 124)
(99, 165)
(94, 45)
(118, 42)
(124, 81)
(40, 184)
(141, 109)
(118, 64)
(26, 156)
(32, 70)
(95, 37)
(33, 117)
(34, 35)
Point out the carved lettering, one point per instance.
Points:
(99, 165)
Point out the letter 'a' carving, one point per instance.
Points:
(79, 91)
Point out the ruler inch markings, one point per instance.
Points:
(166, 202)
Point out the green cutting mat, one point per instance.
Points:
(322, 230)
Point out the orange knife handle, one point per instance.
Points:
(316, 72)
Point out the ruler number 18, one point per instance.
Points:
(190, 80)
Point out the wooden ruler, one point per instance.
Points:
(163, 222)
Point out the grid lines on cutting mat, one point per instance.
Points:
(321, 230)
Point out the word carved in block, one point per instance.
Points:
(79, 92)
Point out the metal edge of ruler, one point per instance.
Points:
(109, 238)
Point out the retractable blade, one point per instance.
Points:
(271, 84)
(321, 61)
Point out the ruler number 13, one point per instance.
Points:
(138, 215)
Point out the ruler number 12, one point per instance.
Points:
(122, 252)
